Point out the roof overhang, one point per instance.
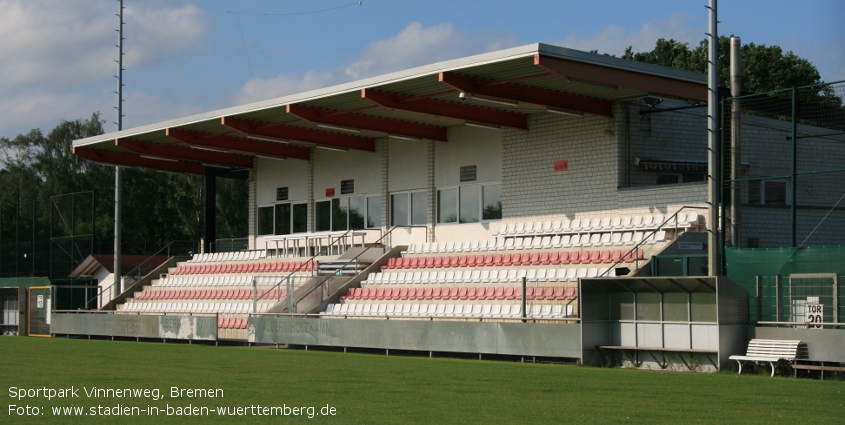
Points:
(497, 90)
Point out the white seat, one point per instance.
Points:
(556, 226)
(449, 310)
(458, 310)
(495, 310)
(505, 311)
(520, 229)
(605, 239)
(485, 276)
(509, 243)
(519, 243)
(390, 309)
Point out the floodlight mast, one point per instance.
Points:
(117, 170)
(714, 265)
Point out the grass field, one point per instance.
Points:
(376, 389)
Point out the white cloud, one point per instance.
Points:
(415, 45)
(614, 39)
(51, 50)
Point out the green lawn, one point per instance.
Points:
(375, 389)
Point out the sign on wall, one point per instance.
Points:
(562, 165)
(815, 315)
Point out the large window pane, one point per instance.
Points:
(323, 216)
(648, 306)
(419, 207)
(399, 209)
(357, 211)
(300, 218)
(470, 204)
(492, 202)
(703, 307)
(265, 220)
(283, 219)
(447, 206)
(675, 307)
(339, 212)
(374, 211)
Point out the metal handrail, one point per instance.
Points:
(321, 283)
(646, 238)
(137, 270)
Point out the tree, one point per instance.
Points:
(764, 68)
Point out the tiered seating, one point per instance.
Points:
(222, 284)
(214, 257)
(252, 267)
(547, 242)
(516, 259)
(482, 278)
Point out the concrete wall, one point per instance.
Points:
(526, 339)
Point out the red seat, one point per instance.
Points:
(488, 260)
(571, 293)
(595, 257)
(472, 293)
(462, 293)
(380, 293)
(559, 293)
(413, 263)
(499, 293)
(535, 259)
(454, 293)
(491, 293)
(525, 259)
(429, 262)
(575, 257)
(616, 255)
(605, 257)
(545, 258)
(391, 264)
(462, 262)
(498, 260)
(387, 294)
(437, 293)
(529, 293)
(428, 293)
(471, 261)
(548, 293)
(403, 294)
(510, 293)
(506, 260)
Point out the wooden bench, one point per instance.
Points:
(819, 365)
(769, 350)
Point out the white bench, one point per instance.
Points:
(768, 350)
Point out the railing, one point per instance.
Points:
(322, 284)
(139, 271)
(645, 240)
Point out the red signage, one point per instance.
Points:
(330, 192)
(562, 165)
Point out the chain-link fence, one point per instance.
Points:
(811, 300)
(784, 167)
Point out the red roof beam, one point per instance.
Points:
(237, 144)
(446, 109)
(370, 123)
(284, 132)
(186, 154)
(536, 96)
(129, 160)
(596, 74)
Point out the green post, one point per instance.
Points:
(794, 162)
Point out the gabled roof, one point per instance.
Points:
(498, 89)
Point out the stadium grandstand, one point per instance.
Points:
(537, 202)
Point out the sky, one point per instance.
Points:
(182, 57)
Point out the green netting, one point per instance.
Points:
(744, 264)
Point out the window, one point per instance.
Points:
(409, 208)
(356, 212)
(373, 211)
(769, 192)
(447, 205)
(283, 219)
(491, 202)
(469, 204)
(265, 220)
(680, 178)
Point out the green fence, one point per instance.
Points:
(791, 285)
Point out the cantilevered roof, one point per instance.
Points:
(499, 89)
